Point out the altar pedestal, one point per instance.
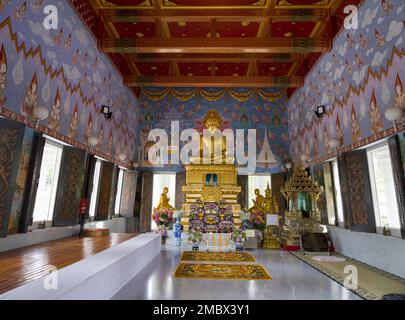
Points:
(223, 189)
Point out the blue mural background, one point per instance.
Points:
(263, 110)
(64, 71)
(357, 81)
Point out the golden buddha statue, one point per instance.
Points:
(213, 121)
(164, 200)
(269, 202)
(258, 202)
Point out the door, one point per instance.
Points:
(104, 194)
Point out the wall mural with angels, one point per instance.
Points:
(242, 108)
(63, 71)
(357, 81)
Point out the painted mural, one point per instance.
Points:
(63, 71)
(264, 110)
(357, 81)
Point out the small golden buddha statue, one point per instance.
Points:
(164, 200)
(258, 202)
(269, 202)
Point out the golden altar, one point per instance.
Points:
(215, 182)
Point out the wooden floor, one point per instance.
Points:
(20, 266)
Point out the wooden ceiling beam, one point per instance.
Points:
(252, 15)
(214, 81)
(214, 45)
(247, 57)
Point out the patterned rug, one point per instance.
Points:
(372, 284)
(221, 271)
(217, 256)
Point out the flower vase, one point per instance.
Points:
(195, 247)
(177, 233)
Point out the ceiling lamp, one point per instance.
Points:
(393, 114)
(93, 141)
(40, 113)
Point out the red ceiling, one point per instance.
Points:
(221, 28)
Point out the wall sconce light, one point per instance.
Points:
(106, 110)
(289, 165)
(305, 157)
(122, 156)
(135, 164)
(40, 113)
(320, 110)
(92, 141)
(334, 143)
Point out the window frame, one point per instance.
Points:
(95, 188)
(49, 222)
(396, 232)
(338, 223)
(118, 194)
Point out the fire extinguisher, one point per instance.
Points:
(82, 214)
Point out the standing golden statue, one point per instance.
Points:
(164, 200)
(269, 203)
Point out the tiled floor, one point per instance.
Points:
(292, 279)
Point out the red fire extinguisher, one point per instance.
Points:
(82, 214)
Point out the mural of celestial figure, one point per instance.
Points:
(375, 116)
(19, 11)
(339, 131)
(326, 148)
(110, 145)
(3, 72)
(316, 145)
(356, 132)
(73, 123)
(89, 129)
(399, 93)
(35, 5)
(31, 97)
(101, 135)
(54, 118)
(379, 38)
(387, 5)
(58, 38)
(68, 42)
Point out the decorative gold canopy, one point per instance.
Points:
(301, 182)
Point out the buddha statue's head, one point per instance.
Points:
(165, 190)
(212, 120)
(257, 192)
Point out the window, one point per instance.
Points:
(383, 188)
(161, 180)
(119, 191)
(257, 182)
(94, 192)
(338, 193)
(48, 182)
(329, 193)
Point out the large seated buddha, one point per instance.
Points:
(213, 153)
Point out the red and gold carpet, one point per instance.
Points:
(217, 256)
(221, 271)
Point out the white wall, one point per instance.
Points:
(116, 225)
(383, 252)
(37, 236)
